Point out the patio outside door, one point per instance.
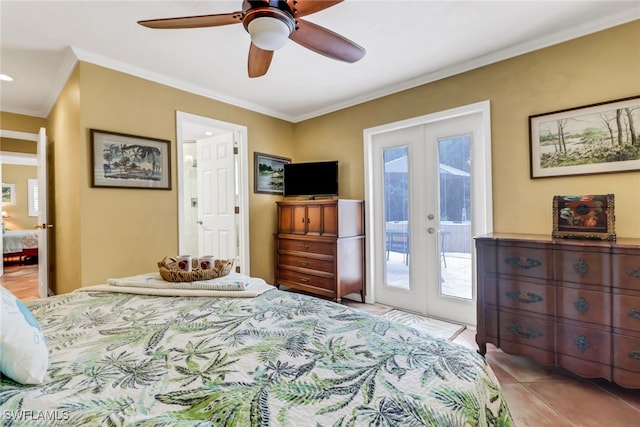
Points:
(422, 227)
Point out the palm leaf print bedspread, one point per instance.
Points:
(280, 359)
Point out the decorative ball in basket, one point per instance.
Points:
(171, 272)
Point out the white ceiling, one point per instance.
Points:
(408, 43)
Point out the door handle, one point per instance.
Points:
(43, 226)
(199, 222)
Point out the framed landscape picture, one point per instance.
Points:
(129, 161)
(268, 177)
(598, 138)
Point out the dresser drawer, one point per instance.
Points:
(584, 342)
(626, 271)
(306, 262)
(525, 262)
(583, 305)
(589, 268)
(286, 276)
(527, 296)
(313, 247)
(626, 312)
(626, 352)
(527, 330)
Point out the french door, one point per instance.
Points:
(423, 213)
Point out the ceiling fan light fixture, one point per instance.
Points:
(269, 32)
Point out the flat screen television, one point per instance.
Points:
(311, 179)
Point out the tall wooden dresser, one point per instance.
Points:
(320, 247)
(573, 304)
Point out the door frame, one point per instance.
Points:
(481, 197)
(40, 161)
(242, 176)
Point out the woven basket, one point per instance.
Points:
(170, 272)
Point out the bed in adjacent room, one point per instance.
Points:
(20, 243)
(268, 358)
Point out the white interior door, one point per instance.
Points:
(421, 253)
(43, 217)
(191, 128)
(216, 197)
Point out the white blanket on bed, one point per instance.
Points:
(232, 285)
(230, 282)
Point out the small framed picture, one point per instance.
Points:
(584, 217)
(8, 194)
(129, 161)
(268, 177)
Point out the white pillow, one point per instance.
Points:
(23, 351)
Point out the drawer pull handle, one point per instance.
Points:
(533, 298)
(635, 313)
(305, 263)
(303, 279)
(634, 355)
(582, 343)
(529, 263)
(581, 305)
(581, 267)
(531, 331)
(634, 273)
(305, 247)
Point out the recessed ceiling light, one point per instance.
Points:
(6, 78)
(208, 133)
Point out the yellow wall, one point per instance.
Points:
(19, 213)
(106, 232)
(20, 123)
(599, 67)
(66, 166)
(102, 233)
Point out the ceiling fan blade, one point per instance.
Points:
(326, 42)
(307, 7)
(259, 61)
(194, 21)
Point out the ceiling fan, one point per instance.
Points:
(270, 23)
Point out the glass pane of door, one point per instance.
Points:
(455, 224)
(396, 217)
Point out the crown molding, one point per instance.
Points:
(75, 54)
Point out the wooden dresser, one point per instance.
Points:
(320, 247)
(573, 304)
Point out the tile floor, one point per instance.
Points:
(537, 396)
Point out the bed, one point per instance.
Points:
(20, 243)
(272, 358)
